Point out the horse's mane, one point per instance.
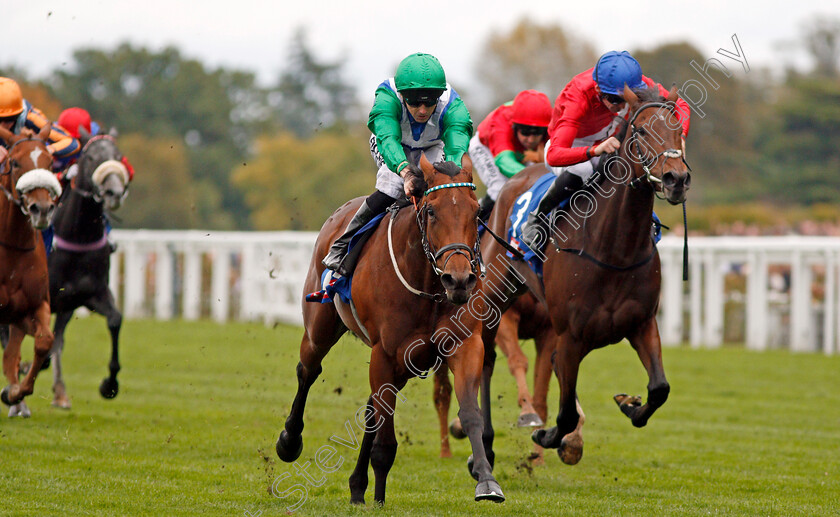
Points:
(648, 94)
(451, 169)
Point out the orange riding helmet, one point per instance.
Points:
(11, 99)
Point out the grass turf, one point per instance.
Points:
(193, 431)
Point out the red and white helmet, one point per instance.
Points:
(531, 108)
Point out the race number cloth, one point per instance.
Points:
(527, 202)
(332, 284)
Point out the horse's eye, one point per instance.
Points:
(432, 213)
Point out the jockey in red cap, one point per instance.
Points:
(509, 138)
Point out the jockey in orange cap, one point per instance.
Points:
(509, 138)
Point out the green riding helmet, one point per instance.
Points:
(420, 72)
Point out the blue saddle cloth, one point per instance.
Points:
(526, 203)
(341, 285)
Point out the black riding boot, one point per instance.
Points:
(485, 206)
(374, 205)
(535, 229)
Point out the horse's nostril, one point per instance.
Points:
(687, 181)
(669, 179)
(471, 280)
(447, 280)
(34, 209)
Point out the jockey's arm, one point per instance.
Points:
(457, 129)
(509, 163)
(61, 145)
(384, 122)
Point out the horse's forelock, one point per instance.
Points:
(648, 94)
(451, 169)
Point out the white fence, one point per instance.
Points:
(768, 292)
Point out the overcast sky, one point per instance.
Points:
(374, 35)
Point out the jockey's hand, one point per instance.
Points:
(535, 156)
(610, 145)
(3, 153)
(413, 182)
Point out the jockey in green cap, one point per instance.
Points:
(414, 112)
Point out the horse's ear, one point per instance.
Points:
(44, 133)
(673, 94)
(426, 166)
(84, 136)
(112, 132)
(466, 163)
(630, 97)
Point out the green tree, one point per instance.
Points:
(719, 144)
(312, 95)
(162, 193)
(295, 184)
(542, 57)
(163, 94)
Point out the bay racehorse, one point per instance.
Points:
(526, 319)
(80, 262)
(409, 305)
(601, 270)
(27, 204)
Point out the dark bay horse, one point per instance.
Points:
(27, 203)
(80, 262)
(409, 304)
(601, 270)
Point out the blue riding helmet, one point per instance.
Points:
(615, 69)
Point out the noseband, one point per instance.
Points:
(637, 148)
(95, 193)
(4, 170)
(471, 254)
(422, 217)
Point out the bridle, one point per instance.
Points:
(8, 171)
(421, 214)
(96, 192)
(640, 158)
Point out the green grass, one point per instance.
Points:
(193, 430)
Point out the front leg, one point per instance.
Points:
(566, 362)
(647, 345)
(467, 364)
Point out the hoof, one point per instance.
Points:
(627, 404)
(456, 430)
(109, 389)
(61, 402)
(288, 448)
(489, 491)
(571, 450)
(529, 420)
(20, 409)
(4, 396)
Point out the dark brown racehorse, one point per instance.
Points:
(27, 203)
(410, 293)
(601, 271)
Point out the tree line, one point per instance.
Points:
(215, 150)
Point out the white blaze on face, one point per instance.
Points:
(34, 155)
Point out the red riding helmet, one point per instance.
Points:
(71, 118)
(531, 108)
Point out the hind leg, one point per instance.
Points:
(359, 477)
(314, 346)
(507, 338)
(384, 388)
(105, 305)
(442, 397)
(60, 398)
(544, 344)
(649, 349)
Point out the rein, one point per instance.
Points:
(421, 216)
(10, 195)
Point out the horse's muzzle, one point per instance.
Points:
(675, 185)
(459, 286)
(40, 213)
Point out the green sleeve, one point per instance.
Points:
(457, 131)
(384, 122)
(509, 163)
